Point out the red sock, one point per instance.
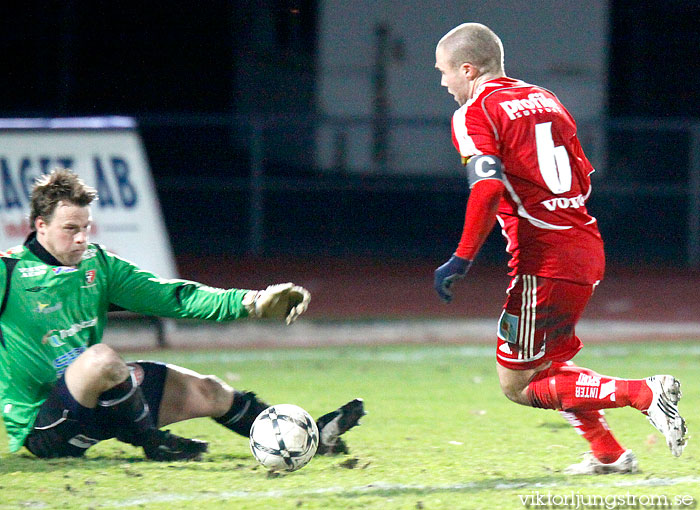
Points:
(567, 387)
(594, 429)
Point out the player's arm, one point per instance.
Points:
(144, 292)
(485, 174)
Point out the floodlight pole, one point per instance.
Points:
(256, 209)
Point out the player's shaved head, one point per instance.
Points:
(476, 44)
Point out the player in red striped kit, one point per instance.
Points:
(526, 170)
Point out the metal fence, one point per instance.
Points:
(258, 176)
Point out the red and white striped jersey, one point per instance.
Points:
(543, 212)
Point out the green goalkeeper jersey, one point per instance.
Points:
(51, 313)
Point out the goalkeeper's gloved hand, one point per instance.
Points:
(445, 275)
(282, 301)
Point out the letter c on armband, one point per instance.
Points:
(483, 167)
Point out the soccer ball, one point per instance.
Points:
(284, 437)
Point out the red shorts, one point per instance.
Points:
(538, 321)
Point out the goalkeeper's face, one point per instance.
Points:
(65, 234)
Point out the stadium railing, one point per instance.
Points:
(646, 187)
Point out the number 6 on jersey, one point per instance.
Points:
(553, 161)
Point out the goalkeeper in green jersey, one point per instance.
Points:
(62, 391)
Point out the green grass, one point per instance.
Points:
(438, 435)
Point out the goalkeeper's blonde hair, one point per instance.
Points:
(59, 185)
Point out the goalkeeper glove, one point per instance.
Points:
(445, 275)
(282, 301)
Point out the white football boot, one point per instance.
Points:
(663, 411)
(626, 464)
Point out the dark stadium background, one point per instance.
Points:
(171, 65)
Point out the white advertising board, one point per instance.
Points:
(107, 154)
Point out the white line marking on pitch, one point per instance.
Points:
(378, 488)
(409, 354)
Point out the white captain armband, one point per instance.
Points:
(482, 167)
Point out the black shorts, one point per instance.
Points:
(57, 433)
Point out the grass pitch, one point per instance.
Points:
(439, 435)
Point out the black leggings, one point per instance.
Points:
(58, 433)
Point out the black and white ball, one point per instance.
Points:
(284, 437)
